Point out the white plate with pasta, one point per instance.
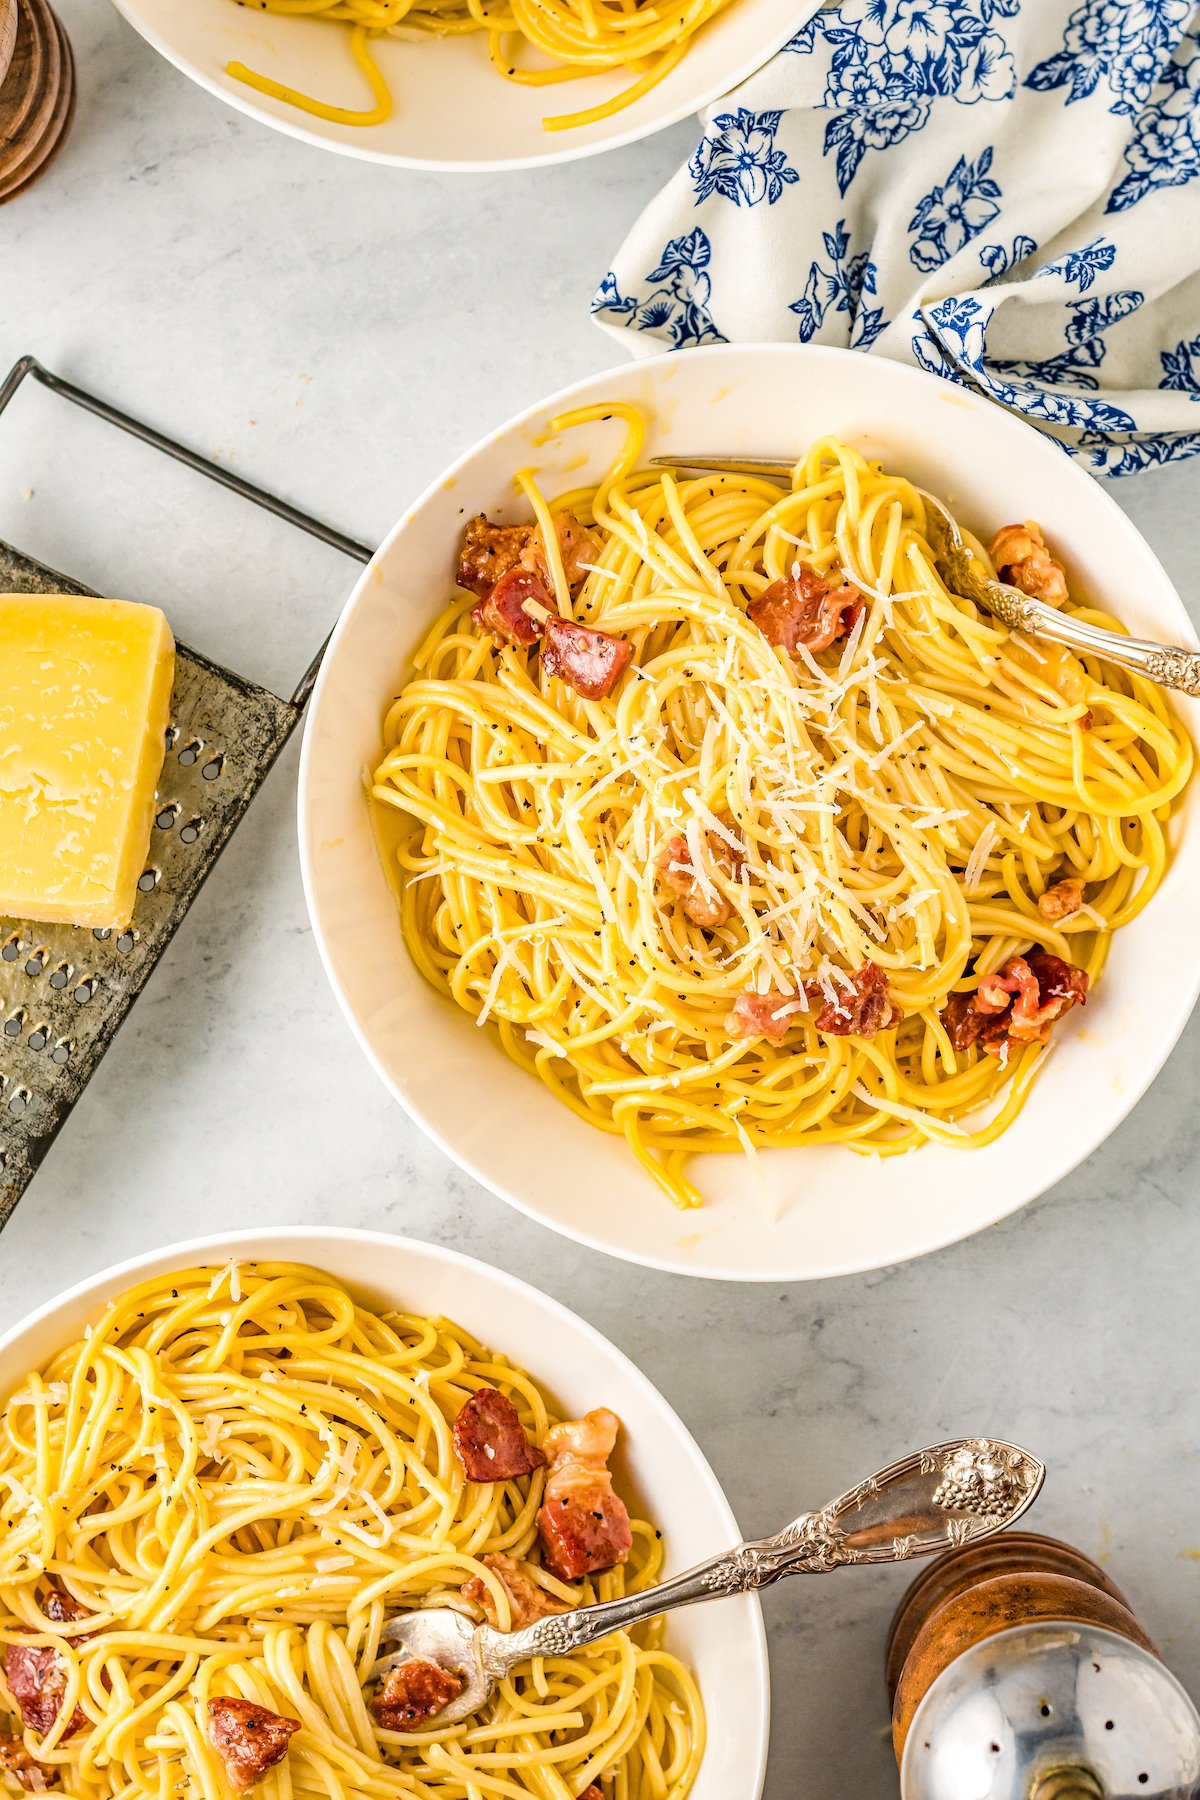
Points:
(723, 891)
(278, 1419)
(552, 80)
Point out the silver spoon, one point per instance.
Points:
(947, 1495)
(1167, 664)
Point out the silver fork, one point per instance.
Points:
(938, 1498)
(1168, 664)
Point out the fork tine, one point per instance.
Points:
(774, 468)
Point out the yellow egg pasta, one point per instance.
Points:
(239, 1474)
(568, 39)
(904, 799)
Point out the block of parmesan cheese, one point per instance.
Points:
(85, 698)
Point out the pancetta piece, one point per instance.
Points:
(1023, 561)
(588, 660)
(770, 1015)
(702, 900)
(490, 1440)
(802, 611)
(527, 1602)
(578, 545)
(33, 1776)
(1061, 899)
(413, 1692)
(514, 610)
(37, 1682)
(583, 1524)
(62, 1608)
(249, 1739)
(1017, 1005)
(861, 1009)
(592, 1792)
(490, 551)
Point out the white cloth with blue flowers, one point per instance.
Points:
(1006, 192)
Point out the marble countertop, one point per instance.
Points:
(329, 329)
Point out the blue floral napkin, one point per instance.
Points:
(1006, 192)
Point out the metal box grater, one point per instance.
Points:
(64, 990)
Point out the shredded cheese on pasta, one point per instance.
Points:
(903, 798)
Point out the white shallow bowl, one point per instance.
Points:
(452, 110)
(839, 1212)
(658, 1460)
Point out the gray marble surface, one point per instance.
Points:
(333, 330)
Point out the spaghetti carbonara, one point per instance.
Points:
(215, 1498)
(740, 830)
(568, 38)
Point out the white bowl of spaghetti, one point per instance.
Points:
(224, 1464)
(886, 825)
(464, 85)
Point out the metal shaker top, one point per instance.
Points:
(1050, 1711)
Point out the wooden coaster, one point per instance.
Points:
(8, 35)
(37, 98)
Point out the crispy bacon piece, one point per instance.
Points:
(63, 1609)
(703, 902)
(249, 1739)
(1061, 899)
(1023, 561)
(36, 1676)
(583, 1524)
(490, 551)
(33, 1776)
(1017, 1005)
(592, 1792)
(804, 611)
(770, 1015)
(513, 610)
(862, 1009)
(490, 1440)
(588, 660)
(527, 1601)
(578, 545)
(37, 1681)
(413, 1692)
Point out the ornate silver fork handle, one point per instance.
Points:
(1170, 665)
(946, 1495)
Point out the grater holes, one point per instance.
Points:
(15, 1025)
(10, 950)
(63, 1051)
(166, 816)
(102, 933)
(126, 941)
(18, 1102)
(148, 880)
(171, 735)
(213, 769)
(37, 962)
(84, 991)
(191, 752)
(60, 977)
(191, 831)
(39, 1037)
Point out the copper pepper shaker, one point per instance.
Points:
(1017, 1671)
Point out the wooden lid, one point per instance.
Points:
(37, 97)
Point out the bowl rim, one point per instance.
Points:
(1056, 1167)
(270, 1239)
(130, 11)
